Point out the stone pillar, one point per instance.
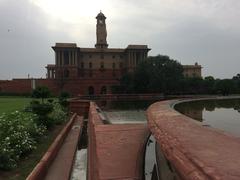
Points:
(131, 57)
(75, 63)
(56, 57)
(48, 73)
(135, 58)
(69, 57)
(128, 62)
(62, 56)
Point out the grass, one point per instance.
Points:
(27, 164)
(9, 103)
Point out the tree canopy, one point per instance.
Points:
(160, 74)
(157, 74)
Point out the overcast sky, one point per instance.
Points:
(203, 31)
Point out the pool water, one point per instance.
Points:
(222, 114)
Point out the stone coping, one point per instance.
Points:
(195, 151)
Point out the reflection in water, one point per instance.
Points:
(123, 112)
(124, 105)
(222, 114)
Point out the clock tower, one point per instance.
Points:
(101, 31)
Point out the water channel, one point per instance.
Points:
(124, 112)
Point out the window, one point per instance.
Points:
(66, 73)
(104, 90)
(90, 65)
(90, 56)
(102, 56)
(113, 56)
(80, 72)
(114, 74)
(90, 73)
(113, 65)
(91, 90)
(102, 65)
(120, 65)
(121, 56)
(82, 65)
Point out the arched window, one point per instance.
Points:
(66, 73)
(104, 90)
(91, 90)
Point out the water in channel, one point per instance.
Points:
(123, 112)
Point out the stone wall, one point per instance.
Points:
(73, 86)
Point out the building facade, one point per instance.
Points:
(192, 71)
(82, 71)
(100, 64)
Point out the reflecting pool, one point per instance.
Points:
(222, 114)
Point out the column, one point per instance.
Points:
(69, 57)
(48, 73)
(56, 57)
(62, 58)
(131, 57)
(134, 61)
(75, 58)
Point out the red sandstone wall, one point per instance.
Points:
(94, 120)
(17, 86)
(73, 86)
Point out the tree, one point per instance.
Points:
(41, 92)
(225, 86)
(157, 74)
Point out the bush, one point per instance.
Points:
(58, 115)
(63, 99)
(18, 136)
(41, 92)
(42, 111)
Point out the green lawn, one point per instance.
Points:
(9, 104)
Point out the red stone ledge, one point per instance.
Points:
(115, 151)
(41, 169)
(196, 152)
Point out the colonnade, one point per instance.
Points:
(72, 55)
(134, 57)
(51, 73)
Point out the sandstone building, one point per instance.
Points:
(94, 66)
(79, 70)
(192, 70)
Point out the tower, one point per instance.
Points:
(101, 31)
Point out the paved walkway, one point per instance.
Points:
(60, 168)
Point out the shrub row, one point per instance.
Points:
(20, 131)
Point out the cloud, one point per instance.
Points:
(206, 31)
